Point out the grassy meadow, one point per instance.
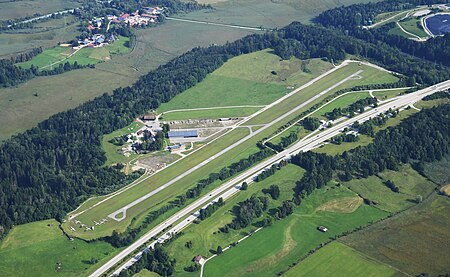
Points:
(248, 80)
(24, 8)
(276, 247)
(337, 259)
(414, 241)
(34, 249)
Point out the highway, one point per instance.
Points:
(231, 187)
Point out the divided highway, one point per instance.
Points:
(188, 214)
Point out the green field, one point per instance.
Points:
(274, 248)
(337, 259)
(210, 114)
(24, 8)
(52, 57)
(333, 149)
(438, 171)
(369, 75)
(33, 249)
(414, 241)
(412, 25)
(266, 13)
(408, 180)
(247, 80)
(387, 94)
(342, 102)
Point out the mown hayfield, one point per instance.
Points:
(276, 247)
(369, 75)
(34, 249)
(210, 114)
(414, 241)
(266, 13)
(387, 94)
(337, 259)
(23, 8)
(248, 80)
(342, 102)
(412, 25)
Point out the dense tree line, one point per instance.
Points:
(270, 171)
(23, 57)
(344, 138)
(358, 106)
(285, 142)
(154, 259)
(247, 211)
(274, 191)
(210, 209)
(437, 95)
(311, 123)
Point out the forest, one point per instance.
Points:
(50, 169)
(352, 18)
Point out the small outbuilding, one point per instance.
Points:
(199, 259)
(322, 228)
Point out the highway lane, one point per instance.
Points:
(231, 187)
(120, 214)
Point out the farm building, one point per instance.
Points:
(183, 134)
(199, 259)
(322, 229)
(149, 117)
(177, 148)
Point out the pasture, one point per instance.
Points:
(34, 249)
(409, 181)
(274, 248)
(337, 259)
(265, 13)
(248, 80)
(414, 241)
(52, 57)
(24, 8)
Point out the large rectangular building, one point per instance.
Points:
(183, 134)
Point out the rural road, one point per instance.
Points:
(120, 214)
(231, 187)
(216, 24)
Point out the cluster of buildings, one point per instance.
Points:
(96, 40)
(147, 16)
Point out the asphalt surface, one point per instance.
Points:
(231, 187)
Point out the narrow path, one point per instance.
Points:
(68, 57)
(225, 249)
(217, 24)
(409, 33)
